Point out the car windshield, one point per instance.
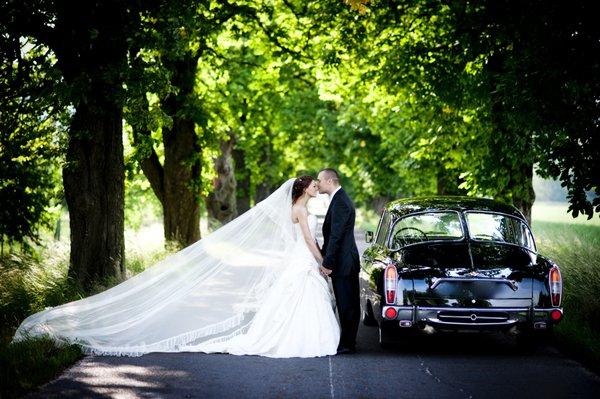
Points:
(432, 226)
(499, 228)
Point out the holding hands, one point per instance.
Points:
(325, 271)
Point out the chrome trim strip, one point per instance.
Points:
(547, 309)
(448, 323)
(437, 281)
(470, 318)
(448, 308)
(497, 309)
(384, 307)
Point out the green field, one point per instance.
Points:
(574, 244)
(557, 212)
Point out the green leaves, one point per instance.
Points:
(32, 130)
(405, 98)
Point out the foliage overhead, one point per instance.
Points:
(32, 132)
(404, 97)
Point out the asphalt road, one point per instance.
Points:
(471, 366)
(454, 366)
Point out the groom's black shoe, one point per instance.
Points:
(342, 350)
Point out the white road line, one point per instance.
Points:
(331, 378)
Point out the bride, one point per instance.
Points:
(252, 287)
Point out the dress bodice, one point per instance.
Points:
(312, 226)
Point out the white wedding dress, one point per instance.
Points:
(297, 317)
(250, 287)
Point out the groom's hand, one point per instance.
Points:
(325, 271)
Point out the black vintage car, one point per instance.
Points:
(453, 264)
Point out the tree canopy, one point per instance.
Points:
(222, 101)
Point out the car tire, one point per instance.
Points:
(368, 316)
(385, 341)
(530, 341)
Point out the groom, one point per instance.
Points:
(340, 257)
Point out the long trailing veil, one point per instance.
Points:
(207, 292)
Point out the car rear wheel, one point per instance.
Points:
(368, 317)
(529, 340)
(385, 338)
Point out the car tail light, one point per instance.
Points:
(390, 284)
(555, 281)
(556, 315)
(391, 313)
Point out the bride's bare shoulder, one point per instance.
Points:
(299, 211)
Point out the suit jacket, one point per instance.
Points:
(340, 253)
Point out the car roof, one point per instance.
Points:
(405, 206)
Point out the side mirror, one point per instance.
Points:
(369, 236)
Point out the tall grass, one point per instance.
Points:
(576, 249)
(28, 364)
(31, 282)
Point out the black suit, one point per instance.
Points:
(340, 254)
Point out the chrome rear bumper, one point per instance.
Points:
(469, 318)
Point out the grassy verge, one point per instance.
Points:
(576, 249)
(27, 287)
(28, 284)
(28, 364)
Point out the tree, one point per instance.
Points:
(525, 68)
(31, 132)
(170, 47)
(89, 42)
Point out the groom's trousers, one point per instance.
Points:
(347, 299)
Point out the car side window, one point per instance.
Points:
(384, 227)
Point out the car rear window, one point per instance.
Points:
(499, 228)
(431, 226)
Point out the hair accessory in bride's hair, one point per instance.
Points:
(300, 184)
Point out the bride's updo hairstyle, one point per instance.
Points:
(300, 185)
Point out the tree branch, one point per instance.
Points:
(151, 166)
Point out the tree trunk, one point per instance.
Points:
(448, 182)
(90, 42)
(242, 181)
(182, 165)
(180, 205)
(242, 175)
(176, 181)
(264, 188)
(523, 195)
(94, 189)
(511, 146)
(379, 203)
(221, 202)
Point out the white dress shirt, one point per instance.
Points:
(333, 193)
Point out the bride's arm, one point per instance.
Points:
(312, 245)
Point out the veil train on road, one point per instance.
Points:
(207, 291)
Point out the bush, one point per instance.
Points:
(30, 363)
